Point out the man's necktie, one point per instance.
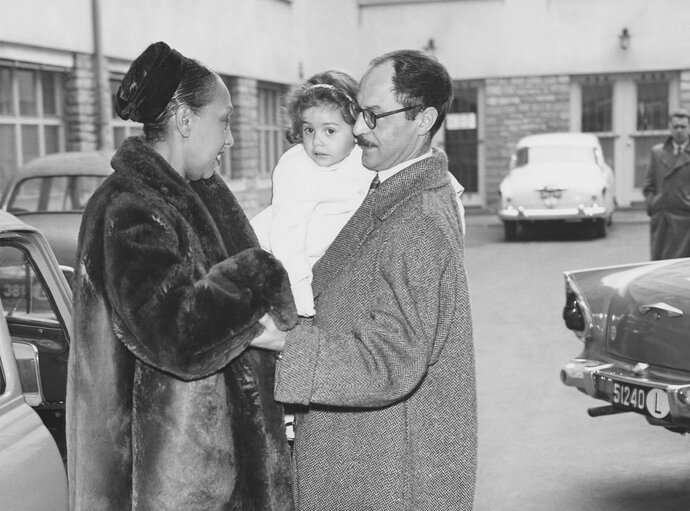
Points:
(374, 184)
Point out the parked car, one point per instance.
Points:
(32, 473)
(634, 321)
(50, 193)
(557, 177)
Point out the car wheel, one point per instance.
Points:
(600, 228)
(510, 229)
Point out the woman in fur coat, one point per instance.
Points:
(167, 408)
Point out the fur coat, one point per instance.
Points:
(167, 409)
(387, 367)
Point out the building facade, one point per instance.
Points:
(611, 67)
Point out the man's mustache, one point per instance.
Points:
(363, 142)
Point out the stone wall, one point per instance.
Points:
(516, 107)
(81, 115)
(243, 123)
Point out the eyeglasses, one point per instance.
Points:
(370, 117)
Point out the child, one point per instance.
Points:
(319, 183)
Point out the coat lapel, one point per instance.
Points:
(417, 178)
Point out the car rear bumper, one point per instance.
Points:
(596, 378)
(535, 214)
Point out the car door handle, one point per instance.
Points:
(659, 307)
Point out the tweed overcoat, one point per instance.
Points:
(167, 409)
(386, 370)
(667, 194)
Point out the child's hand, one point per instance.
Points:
(271, 338)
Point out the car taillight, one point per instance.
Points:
(572, 314)
(576, 313)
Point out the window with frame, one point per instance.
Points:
(597, 115)
(270, 126)
(121, 129)
(652, 105)
(31, 116)
(597, 108)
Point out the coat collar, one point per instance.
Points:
(419, 177)
(670, 160)
(135, 161)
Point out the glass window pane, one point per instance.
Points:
(50, 101)
(6, 104)
(26, 80)
(29, 143)
(652, 106)
(21, 291)
(25, 196)
(52, 139)
(597, 107)
(54, 194)
(8, 153)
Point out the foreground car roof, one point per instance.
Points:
(66, 164)
(9, 222)
(559, 139)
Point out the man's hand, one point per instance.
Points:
(271, 338)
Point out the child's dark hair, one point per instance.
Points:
(330, 88)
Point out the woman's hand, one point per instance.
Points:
(271, 338)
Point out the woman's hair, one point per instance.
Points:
(419, 80)
(330, 88)
(157, 83)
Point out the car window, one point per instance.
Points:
(551, 154)
(22, 293)
(53, 194)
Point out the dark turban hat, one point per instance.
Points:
(150, 83)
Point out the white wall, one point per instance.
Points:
(276, 41)
(487, 38)
(237, 37)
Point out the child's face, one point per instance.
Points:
(326, 136)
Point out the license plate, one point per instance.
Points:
(636, 398)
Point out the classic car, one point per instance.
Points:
(50, 193)
(32, 473)
(634, 328)
(557, 177)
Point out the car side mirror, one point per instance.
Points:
(68, 272)
(26, 355)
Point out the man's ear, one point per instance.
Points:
(427, 119)
(183, 120)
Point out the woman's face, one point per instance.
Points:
(326, 136)
(209, 135)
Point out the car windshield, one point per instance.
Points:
(551, 154)
(49, 194)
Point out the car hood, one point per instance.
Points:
(571, 176)
(61, 230)
(649, 315)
